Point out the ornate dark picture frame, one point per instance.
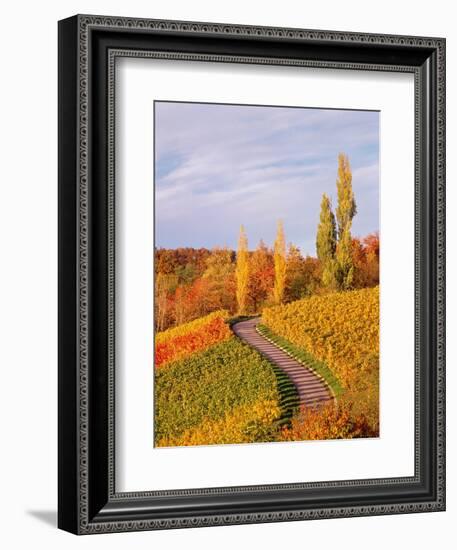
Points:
(88, 47)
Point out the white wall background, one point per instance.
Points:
(28, 289)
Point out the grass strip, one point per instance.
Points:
(303, 357)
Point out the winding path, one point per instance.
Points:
(311, 389)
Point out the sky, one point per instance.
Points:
(220, 166)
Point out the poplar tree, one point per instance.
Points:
(242, 272)
(280, 264)
(345, 212)
(347, 207)
(344, 260)
(326, 242)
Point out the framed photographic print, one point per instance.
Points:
(251, 274)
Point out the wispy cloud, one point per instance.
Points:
(217, 166)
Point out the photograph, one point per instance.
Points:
(266, 273)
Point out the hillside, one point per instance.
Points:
(340, 330)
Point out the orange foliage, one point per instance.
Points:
(328, 422)
(365, 256)
(262, 276)
(190, 301)
(184, 340)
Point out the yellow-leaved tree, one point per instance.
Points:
(280, 264)
(242, 272)
(345, 211)
(326, 242)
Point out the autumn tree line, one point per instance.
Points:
(190, 283)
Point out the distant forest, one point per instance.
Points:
(191, 282)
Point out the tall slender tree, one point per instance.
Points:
(345, 212)
(280, 264)
(347, 207)
(242, 272)
(326, 242)
(344, 261)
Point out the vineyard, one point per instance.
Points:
(225, 394)
(198, 335)
(342, 331)
(211, 388)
